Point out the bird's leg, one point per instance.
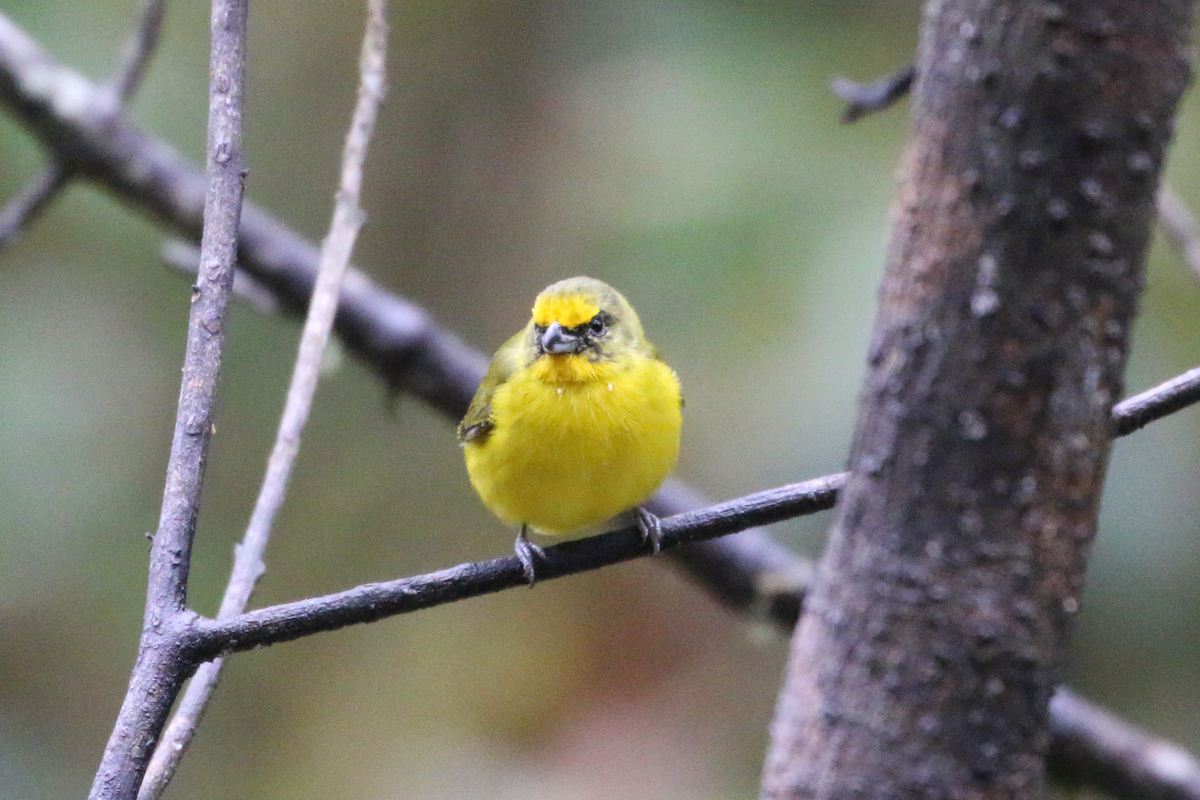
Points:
(527, 551)
(650, 527)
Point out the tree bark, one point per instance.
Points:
(935, 631)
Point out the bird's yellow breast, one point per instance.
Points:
(577, 442)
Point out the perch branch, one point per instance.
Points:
(372, 602)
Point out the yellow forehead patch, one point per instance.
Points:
(569, 310)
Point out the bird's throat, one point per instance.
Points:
(561, 370)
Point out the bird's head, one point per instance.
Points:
(584, 318)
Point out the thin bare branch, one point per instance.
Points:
(1168, 397)
(335, 259)
(22, 210)
(139, 51)
(1180, 225)
(159, 671)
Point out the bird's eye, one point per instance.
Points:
(597, 326)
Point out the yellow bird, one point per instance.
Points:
(577, 421)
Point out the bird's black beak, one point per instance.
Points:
(557, 341)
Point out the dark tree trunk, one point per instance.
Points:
(936, 629)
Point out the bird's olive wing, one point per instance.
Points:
(478, 422)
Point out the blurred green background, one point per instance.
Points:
(687, 152)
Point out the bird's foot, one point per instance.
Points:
(650, 527)
(527, 553)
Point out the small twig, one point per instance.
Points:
(1168, 397)
(335, 258)
(867, 98)
(1180, 225)
(139, 51)
(22, 210)
(159, 671)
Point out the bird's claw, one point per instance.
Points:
(527, 552)
(650, 527)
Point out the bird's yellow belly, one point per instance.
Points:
(565, 457)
